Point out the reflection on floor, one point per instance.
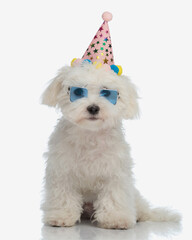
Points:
(86, 230)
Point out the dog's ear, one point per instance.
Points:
(51, 93)
(49, 97)
(130, 100)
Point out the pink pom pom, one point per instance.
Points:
(107, 16)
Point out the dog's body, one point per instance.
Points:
(88, 163)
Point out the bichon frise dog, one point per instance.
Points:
(89, 167)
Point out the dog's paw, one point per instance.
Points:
(123, 224)
(114, 224)
(60, 218)
(60, 223)
(115, 221)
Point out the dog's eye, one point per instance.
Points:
(110, 95)
(77, 93)
(105, 93)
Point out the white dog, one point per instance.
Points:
(88, 162)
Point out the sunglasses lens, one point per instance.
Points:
(110, 95)
(77, 93)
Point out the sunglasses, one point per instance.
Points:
(78, 93)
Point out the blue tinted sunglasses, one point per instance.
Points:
(78, 93)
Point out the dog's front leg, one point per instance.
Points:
(114, 207)
(62, 204)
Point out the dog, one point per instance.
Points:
(89, 167)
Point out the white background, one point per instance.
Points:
(152, 40)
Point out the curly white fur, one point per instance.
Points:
(89, 161)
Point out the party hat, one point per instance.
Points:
(100, 51)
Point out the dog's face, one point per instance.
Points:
(84, 97)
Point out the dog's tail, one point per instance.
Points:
(146, 213)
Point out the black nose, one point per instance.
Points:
(93, 109)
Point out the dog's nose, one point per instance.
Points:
(93, 109)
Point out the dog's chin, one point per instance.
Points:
(90, 123)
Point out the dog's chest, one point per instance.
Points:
(95, 159)
(93, 146)
(91, 157)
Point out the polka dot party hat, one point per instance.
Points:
(100, 52)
